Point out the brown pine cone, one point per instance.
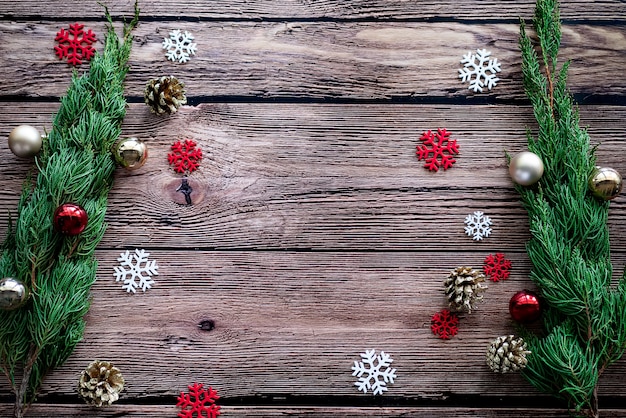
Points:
(164, 95)
(462, 287)
(507, 354)
(100, 383)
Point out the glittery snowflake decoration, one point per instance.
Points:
(437, 150)
(373, 372)
(179, 46)
(478, 226)
(199, 402)
(480, 70)
(497, 267)
(445, 324)
(75, 44)
(185, 156)
(133, 267)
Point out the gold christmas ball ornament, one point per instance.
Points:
(526, 168)
(25, 141)
(13, 294)
(130, 153)
(605, 183)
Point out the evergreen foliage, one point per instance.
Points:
(75, 165)
(585, 316)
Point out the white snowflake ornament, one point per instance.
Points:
(179, 46)
(478, 226)
(373, 372)
(480, 70)
(135, 266)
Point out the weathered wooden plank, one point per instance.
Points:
(348, 60)
(326, 176)
(167, 410)
(360, 9)
(286, 323)
(342, 179)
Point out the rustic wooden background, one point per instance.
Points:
(314, 232)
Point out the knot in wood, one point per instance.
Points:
(207, 325)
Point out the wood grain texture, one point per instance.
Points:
(322, 177)
(314, 233)
(313, 60)
(275, 310)
(292, 324)
(168, 411)
(475, 10)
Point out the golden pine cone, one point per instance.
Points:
(507, 354)
(100, 383)
(462, 288)
(164, 95)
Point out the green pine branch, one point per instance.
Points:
(585, 317)
(75, 165)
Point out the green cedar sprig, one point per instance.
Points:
(585, 317)
(75, 165)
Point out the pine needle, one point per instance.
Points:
(585, 320)
(76, 166)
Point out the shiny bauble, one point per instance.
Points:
(605, 183)
(525, 306)
(130, 153)
(13, 294)
(526, 168)
(25, 141)
(70, 219)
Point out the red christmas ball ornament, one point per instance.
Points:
(525, 306)
(70, 219)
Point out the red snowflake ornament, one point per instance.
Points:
(185, 156)
(440, 146)
(497, 267)
(75, 44)
(199, 402)
(445, 324)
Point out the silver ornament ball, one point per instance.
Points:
(526, 168)
(13, 294)
(130, 153)
(25, 141)
(605, 183)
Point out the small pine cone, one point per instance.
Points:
(462, 287)
(100, 383)
(164, 95)
(507, 354)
